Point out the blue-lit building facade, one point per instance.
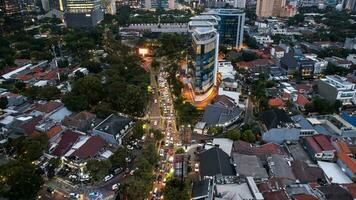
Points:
(231, 26)
(203, 61)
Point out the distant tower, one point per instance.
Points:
(83, 13)
(9, 7)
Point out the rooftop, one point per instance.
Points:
(114, 124)
(249, 165)
(334, 172)
(215, 162)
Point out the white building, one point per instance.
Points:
(263, 39)
(319, 65)
(335, 88)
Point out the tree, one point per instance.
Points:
(158, 135)
(155, 64)
(20, 180)
(176, 189)
(49, 93)
(248, 136)
(138, 131)
(103, 110)
(98, 168)
(92, 66)
(180, 151)
(233, 134)
(150, 153)
(30, 149)
(3, 102)
(215, 130)
(119, 156)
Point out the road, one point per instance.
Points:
(166, 116)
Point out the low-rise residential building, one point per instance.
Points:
(319, 147)
(335, 87)
(340, 62)
(347, 165)
(293, 63)
(114, 128)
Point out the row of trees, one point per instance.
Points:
(20, 178)
(140, 184)
(323, 106)
(122, 87)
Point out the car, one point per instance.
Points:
(129, 147)
(73, 177)
(196, 167)
(115, 186)
(108, 177)
(118, 170)
(50, 190)
(94, 194)
(128, 160)
(74, 195)
(155, 123)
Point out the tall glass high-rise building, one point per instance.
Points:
(231, 26)
(203, 60)
(83, 13)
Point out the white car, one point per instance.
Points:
(155, 123)
(74, 195)
(115, 186)
(108, 177)
(129, 147)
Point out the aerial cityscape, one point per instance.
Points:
(178, 100)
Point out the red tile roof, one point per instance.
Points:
(246, 148)
(54, 131)
(66, 142)
(48, 107)
(91, 147)
(280, 195)
(276, 102)
(349, 162)
(302, 100)
(304, 197)
(343, 147)
(319, 143)
(29, 127)
(352, 189)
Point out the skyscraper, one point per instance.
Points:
(9, 7)
(349, 5)
(231, 26)
(83, 13)
(264, 8)
(203, 61)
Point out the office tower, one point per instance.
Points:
(83, 13)
(9, 7)
(308, 3)
(231, 26)
(110, 6)
(154, 4)
(277, 7)
(239, 3)
(45, 5)
(203, 61)
(264, 8)
(171, 4)
(350, 5)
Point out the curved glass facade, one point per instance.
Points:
(203, 59)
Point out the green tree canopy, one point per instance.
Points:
(233, 134)
(98, 169)
(176, 189)
(21, 180)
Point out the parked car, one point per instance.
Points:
(115, 186)
(108, 177)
